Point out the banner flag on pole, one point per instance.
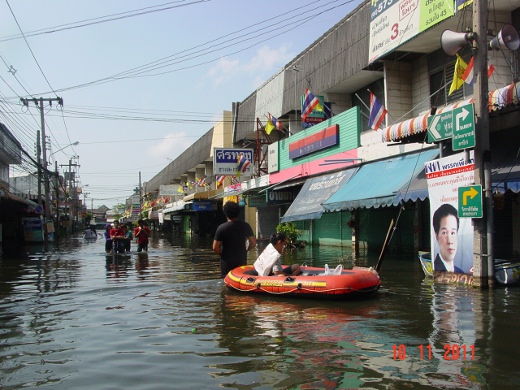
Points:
(377, 112)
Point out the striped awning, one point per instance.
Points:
(497, 100)
(503, 97)
(416, 125)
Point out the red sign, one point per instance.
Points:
(318, 141)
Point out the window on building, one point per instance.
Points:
(441, 69)
(361, 98)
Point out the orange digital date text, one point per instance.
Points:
(451, 352)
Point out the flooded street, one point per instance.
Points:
(74, 318)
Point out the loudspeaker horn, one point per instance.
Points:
(452, 42)
(507, 38)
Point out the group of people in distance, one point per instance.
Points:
(230, 239)
(119, 237)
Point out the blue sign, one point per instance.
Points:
(225, 161)
(204, 205)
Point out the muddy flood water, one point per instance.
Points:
(73, 318)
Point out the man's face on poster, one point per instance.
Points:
(447, 237)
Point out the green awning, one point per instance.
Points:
(380, 183)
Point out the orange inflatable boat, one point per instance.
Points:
(351, 283)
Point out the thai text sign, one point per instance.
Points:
(273, 157)
(463, 128)
(394, 22)
(470, 202)
(225, 161)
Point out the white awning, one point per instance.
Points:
(176, 206)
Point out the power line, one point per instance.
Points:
(102, 19)
(265, 31)
(29, 47)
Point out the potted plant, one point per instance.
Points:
(288, 229)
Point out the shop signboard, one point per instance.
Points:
(33, 229)
(318, 141)
(204, 205)
(394, 22)
(225, 161)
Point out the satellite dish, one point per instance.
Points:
(452, 42)
(507, 38)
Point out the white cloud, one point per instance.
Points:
(224, 70)
(268, 58)
(171, 146)
(266, 62)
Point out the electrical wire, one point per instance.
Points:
(102, 19)
(300, 23)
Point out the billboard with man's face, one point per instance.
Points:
(451, 236)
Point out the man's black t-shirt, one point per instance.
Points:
(233, 235)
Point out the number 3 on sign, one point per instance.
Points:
(399, 351)
(395, 31)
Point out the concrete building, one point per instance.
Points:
(397, 56)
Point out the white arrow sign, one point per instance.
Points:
(461, 116)
(433, 127)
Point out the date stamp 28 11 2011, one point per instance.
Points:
(451, 352)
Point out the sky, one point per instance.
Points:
(141, 81)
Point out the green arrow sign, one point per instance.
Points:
(463, 127)
(440, 126)
(470, 202)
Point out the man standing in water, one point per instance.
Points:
(446, 227)
(141, 233)
(230, 239)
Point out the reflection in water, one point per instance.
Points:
(307, 338)
(73, 317)
(452, 341)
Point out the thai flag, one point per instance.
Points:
(201, 182)
(491, 69)
(242, 164)
(377, 112)
(220, 180)
(469, 75)
(275, 122)
(310, 103)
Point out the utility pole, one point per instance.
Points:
(72, 198)
(39, 103)
(57, 189)
(483, 258)
(85, 205)
(39, 167)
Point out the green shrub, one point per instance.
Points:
(289, 230)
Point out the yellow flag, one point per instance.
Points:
(458, 81)
(269, 126)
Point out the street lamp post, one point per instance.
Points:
(66, 146)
